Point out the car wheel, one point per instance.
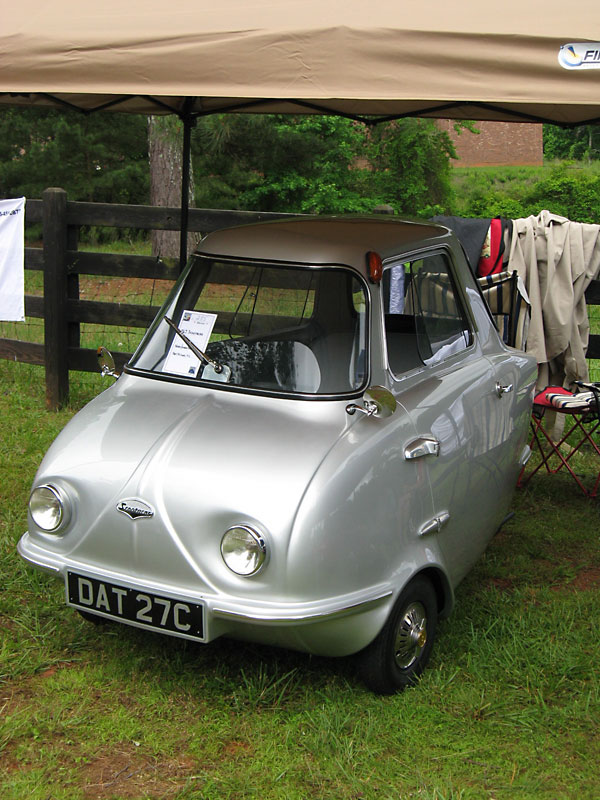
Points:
(397, 656)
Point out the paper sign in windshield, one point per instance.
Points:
(197, 326)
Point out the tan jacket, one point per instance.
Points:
(557, 259)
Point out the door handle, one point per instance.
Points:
(500, 390)
(422, 446)
(434, 525)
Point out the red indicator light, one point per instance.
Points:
(375, 265)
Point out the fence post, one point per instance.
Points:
(54, 223)
(74, 328)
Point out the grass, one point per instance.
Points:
(508, 707)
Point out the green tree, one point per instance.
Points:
(306, 163)
(277, 163)
(580, 144)
(574, 194)
(411, 166)
(321, 164)
(98, 157)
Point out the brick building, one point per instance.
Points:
(497, 144)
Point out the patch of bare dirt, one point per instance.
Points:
(502, 584)
(235, 748)
(48, 673)
(9, 761)
(24, 691)
(7, 624)
(13, 697)
(586, 579)
(119, 290)
(126, 772)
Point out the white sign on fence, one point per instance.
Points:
(12, 257)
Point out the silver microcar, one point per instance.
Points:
(314, 442)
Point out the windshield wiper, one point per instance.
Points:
(219, 372)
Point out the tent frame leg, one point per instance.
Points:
(188, 123)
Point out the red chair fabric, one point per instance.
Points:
(582, 409)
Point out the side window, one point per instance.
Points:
(424, 318)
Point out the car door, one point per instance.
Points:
(444, 379)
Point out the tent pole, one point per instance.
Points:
(188, 124)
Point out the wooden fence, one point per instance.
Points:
(62, 308)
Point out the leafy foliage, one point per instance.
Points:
(571, 194)
(572, 191)
(580, 143)
(321, 164)
(100, 157)
(411, 162)
(310, 164)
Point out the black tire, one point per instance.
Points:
(397, 656)
(93, 618)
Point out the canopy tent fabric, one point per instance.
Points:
(366, 60)
(382, 58)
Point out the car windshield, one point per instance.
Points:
(290, 329)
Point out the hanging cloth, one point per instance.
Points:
(12, 259)
(557, 259)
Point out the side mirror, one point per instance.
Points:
(106, 363)
(378, 402)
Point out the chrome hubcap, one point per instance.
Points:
(411, 636)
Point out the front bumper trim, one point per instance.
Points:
(227, 609)
(306, 612)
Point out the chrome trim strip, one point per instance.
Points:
(308, 616)
(219, 607)
(26, 556)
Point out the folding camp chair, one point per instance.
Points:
(582, 420)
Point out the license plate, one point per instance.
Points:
(136, 606)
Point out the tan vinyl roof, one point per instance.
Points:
(322, 240)
(467, 60)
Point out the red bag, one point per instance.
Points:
(492, 263)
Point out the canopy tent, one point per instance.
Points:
(367, 60)
(383, 57)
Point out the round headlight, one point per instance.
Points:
(243, 550)
(49, 508)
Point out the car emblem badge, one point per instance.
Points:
(135, 508)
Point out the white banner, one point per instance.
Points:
(12, 255)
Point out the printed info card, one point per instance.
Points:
(197, 326)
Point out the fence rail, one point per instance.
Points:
(63, 309)
(592, 298)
